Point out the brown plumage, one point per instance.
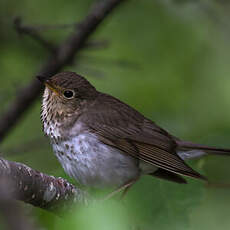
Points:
(119, 126)
(122, 127)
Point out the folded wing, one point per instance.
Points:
(129, 131)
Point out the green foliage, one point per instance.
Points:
(168, 60)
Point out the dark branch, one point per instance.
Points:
(39, 189)
(63, 56)
(32, 32)
(96, 44)
(108, 61)
(39, 28)
(10, 210)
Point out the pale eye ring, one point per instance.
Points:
(68, 94)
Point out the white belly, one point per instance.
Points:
(93, 163)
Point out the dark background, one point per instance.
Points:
(169, 60)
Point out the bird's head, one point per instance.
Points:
(65, 93)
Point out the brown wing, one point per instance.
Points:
(119, 125)
(170, 176)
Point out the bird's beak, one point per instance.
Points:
(42, 79)
(47, 83)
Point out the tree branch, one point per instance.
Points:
(39, 189)
(34, 32)
(22, 29)
(10, 210)
(64, 55)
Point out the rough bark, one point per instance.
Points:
(39, 189)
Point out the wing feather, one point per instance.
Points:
(132, 133)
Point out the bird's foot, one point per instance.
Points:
(124, 189)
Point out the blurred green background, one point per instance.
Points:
(168, 59)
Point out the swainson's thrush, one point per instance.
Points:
(101, 141)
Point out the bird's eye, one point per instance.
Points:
(68, 94)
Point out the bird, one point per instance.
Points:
(101, 141)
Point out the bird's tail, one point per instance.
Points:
(190, 146)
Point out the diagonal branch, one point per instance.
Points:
(39, 189)
(64, 55)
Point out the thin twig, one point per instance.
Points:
(65, 54)
(40, 28)
(34, 32)
(28, 30)
(218, 185)
(109, 61)
(96, 44)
